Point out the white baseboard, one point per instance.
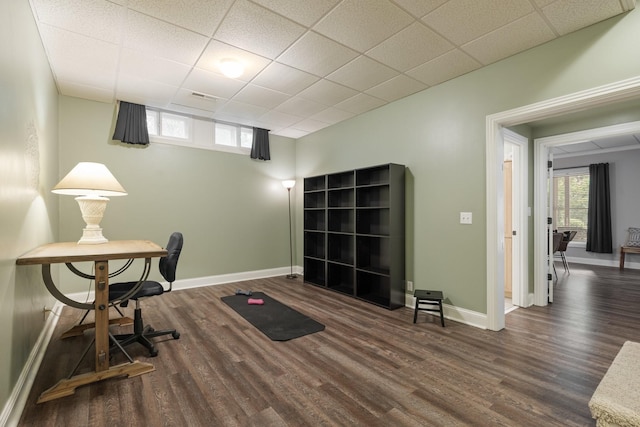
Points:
(604, 262)
(15, 404)
(457, 314)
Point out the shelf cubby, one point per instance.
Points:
(314, 219)
(374, 221)
(373, 197)
(315, 244)
(315, 183)
(340, 278)
(341, 220)
(340, 180)
(314, 271)
(373, 254)
(315, 200)
(340, 248)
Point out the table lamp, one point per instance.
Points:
(91, 182)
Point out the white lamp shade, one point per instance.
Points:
(289, 184)
(89, 178)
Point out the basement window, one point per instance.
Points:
(198, 132)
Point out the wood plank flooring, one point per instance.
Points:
(369, 367)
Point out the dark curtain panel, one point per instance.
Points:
(599, 216)
(131, 126)
(260, 147)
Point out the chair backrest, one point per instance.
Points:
(557, 240)
(567, 236)
(169, 263)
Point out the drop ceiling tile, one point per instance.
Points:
(217, 51)
(258, 30)
(246, 111)
(361, 103)
(317, 55)
(297, 106)
(284, 79)
(198, 112)
(580, 146)
(158, 38)
(306, 13)
(262, 97)
(446, 67)
(327, 93)
(570, 15)
(201, 16)
(332, 115)
(292, 133)
(419, 8)
(362, 24)
(396, 88)
(99, 19)
(618, 141)
(80, 59)
(362, 73)
(139, 64)
(185, 98)
(278, 119)
(310, 125)
(147, 92)
(464, 20)
(69, 88)
(209, 83)
(514, 37)
(411, 47)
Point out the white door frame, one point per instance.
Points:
(520, 292)
(494, 149)
(541, 153)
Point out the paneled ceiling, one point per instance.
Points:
(308, 64)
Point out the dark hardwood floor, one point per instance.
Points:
(369, 367)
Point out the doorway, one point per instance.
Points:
(515, 191)
(597, 97)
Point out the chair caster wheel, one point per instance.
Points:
(175, 335)
(153, 353)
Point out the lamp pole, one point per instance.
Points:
(289, 185)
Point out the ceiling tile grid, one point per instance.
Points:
(307, 64)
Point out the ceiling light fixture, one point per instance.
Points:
(231, 68)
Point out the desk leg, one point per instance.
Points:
(102, 316)
(621, 259)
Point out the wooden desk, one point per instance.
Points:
(101, 254)
(627, 250)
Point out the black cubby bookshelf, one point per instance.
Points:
(354, 233)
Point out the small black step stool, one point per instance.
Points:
(430, 298)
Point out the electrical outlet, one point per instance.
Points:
(466, 217)
(409, 286)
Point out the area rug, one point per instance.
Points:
(274, 319)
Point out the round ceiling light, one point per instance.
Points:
(231, 68)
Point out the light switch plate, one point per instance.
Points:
(466, 217)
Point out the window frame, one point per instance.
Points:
(567, 173)
(201, 133)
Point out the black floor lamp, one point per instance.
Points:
(288, 184)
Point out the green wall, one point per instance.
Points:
(28, 169)
(439, 134)
(232, 210)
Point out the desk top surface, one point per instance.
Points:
(53, 253)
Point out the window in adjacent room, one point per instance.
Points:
(571, 201)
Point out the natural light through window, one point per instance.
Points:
(571, 201)
(178, 129)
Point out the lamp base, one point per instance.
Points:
(92, 208)
(92, 236)
(292, 276)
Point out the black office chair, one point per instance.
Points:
(143, 334)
